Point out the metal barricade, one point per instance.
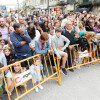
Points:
(46, 70)
(30, 78)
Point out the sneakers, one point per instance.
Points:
(64, 71)
(78, 67)
(37, 90)
(41, 87)
(72, 70)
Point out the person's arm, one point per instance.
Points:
(9, 42)
(23, 43)
(67, 42)
(26, 36)
(4, 61)
(37, 49)
(15, 41)
(32, 48)
(48, 46)
(1, 81)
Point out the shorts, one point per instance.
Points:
(60, 52)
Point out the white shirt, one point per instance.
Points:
(3, 59)
(35, 39)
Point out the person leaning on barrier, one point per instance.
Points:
(68, 32)
(58, 41)
(36, 68)
(42, 46)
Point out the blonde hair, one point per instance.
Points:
(7, 48)
(89, 35)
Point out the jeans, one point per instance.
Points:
(70, 57)
(3, 98)
(19, 57)
(44, 66)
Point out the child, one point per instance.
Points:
(16, 71)
(58, 41)
(2, 56)
(8, 54)
(36, 72)
(1, 84)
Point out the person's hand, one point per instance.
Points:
(33, 49)
(91, 42)
(6, 70)
(0, 79)
(70, 47)
(62, 49)
(20, 31)
(34, 69)
(41, 66)
(49, 51)
(23, 43)
(59, 57)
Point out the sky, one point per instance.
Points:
(11, 4)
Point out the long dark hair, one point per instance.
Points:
(31, 31)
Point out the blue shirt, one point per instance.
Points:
(45, 51)
(16, 40)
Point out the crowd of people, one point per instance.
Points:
(24, 36)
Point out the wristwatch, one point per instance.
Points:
(23, 34)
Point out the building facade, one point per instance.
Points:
(63, 6)
(94, 3)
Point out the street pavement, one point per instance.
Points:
(82, 84)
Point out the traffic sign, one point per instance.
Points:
(4, 8)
